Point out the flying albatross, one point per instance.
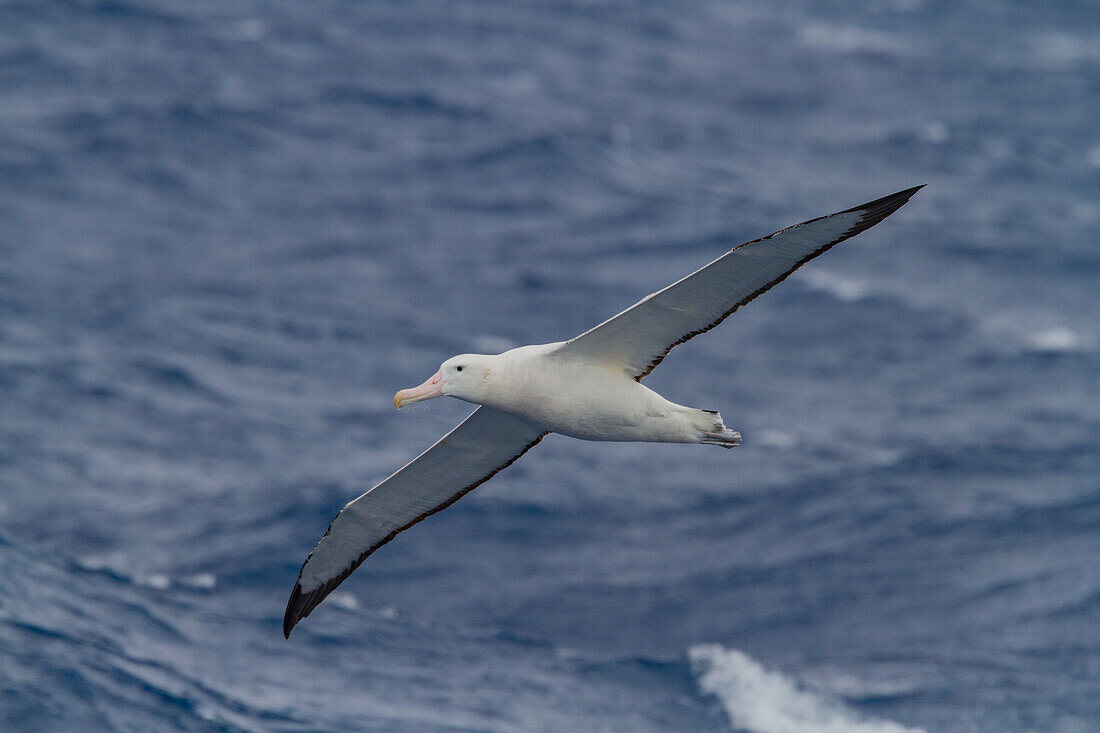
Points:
(588, 387)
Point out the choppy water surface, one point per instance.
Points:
(230, 231)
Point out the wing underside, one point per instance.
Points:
(487, 442)
(641, 336)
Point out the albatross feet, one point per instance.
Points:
(712, 431)
(725, 437)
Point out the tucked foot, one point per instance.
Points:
(725, 437)
(712, 431)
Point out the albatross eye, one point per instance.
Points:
(458, 369)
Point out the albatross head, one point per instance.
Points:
(464, 376)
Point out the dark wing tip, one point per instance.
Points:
(302, 604)
(877, 210)
(293, 612)
(872, 213)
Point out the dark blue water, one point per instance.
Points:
(229, 231)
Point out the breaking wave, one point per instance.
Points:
(760, 700)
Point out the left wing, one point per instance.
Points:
(638, 339)
(486, 442)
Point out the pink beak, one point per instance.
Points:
(432, 388)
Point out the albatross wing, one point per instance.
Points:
(483, 444)
(641, 336)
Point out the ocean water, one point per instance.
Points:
(229, 231)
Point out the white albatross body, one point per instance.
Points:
(589, 400)
(588, 387)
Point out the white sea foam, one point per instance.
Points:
(935, 132)
(1035, 332)
(841, 288)
(763, 701)
(344, 600)
(200, 581)
(156, 581)
(119, 565)
(774, 439)
(1055, 340)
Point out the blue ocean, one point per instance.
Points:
(230, 231)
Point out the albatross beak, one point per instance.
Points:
(432, 388)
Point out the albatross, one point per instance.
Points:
(589, 387)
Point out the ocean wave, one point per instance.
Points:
(760, 700)
(115, 566)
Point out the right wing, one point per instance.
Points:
(638, 339)
(486, 442)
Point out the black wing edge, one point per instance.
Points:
(877, 210)
(873, 212)
(302, 604)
